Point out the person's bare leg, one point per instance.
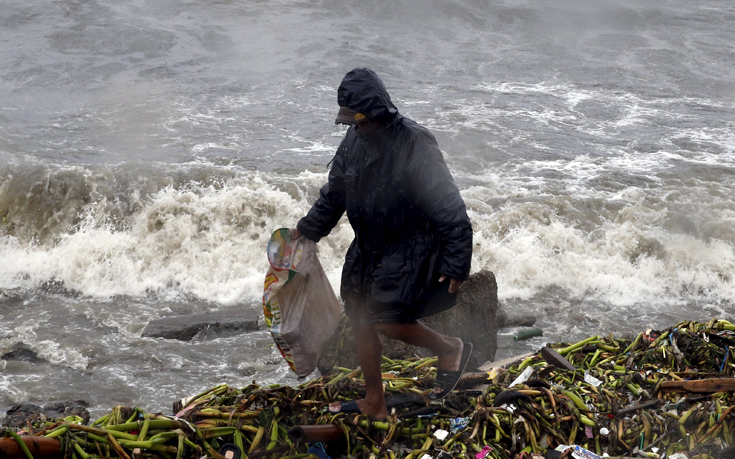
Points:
(369, 352)
(447, 349)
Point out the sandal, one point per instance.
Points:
(347, 407)
(447, 380)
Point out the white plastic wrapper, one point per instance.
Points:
(591, 380)
(441, 434)
(523, 377)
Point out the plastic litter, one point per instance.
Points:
(591, 380)
(485, 451)
(318, 451)
(457, 424)
(528, 333)
(300, 308)
(582, 453)
(230, 451)
(523, 377)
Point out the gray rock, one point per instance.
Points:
(21, 352)
(19, 416)
(70, 408)
(211, 325)
(474, 319)
(504, 320)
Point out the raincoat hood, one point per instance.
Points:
(363, 91)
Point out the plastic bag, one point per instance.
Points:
(301, 310)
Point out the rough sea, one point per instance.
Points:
(149, 149)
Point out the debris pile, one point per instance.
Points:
(666, 393)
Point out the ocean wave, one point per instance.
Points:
(200, 231)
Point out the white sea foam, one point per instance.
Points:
(203, 241)
(207, 240)
(47, 350)
(10, 394)
(620, 262)
(59, 354)
(309, 146)
(200, 148)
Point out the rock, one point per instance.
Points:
(64, 409)
(19, 416)
(211, 325)
(21, 352)
(504, 320)
(472, 319)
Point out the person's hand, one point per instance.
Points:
(294, 233)
(454, 284)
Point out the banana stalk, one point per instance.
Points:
(274, 434)
(578, 345)
(586, 421)
(236, 414)
(144, 429)
(116, 446)
(685, 416)
(577, 400)
(257, 439)
(158, 424)
(646, 430)
(78, 450)
(218, 432)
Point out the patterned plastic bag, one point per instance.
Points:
(301, 310)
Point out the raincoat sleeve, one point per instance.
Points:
(328, 209)
(434, 191)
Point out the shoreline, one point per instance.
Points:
(616, 397)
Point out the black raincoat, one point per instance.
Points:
(410, 222)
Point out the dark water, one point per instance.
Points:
(147, 150)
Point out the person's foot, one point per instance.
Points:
(450, 369)
(374, 409)
(451, 360)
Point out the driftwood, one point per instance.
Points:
(699, 385)
(468, 380)
(554, 358)
(641, 406)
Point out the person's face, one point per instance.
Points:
(367, 126)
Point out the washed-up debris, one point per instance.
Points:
(528, 333)
(665, 393)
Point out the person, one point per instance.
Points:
(413, 238)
